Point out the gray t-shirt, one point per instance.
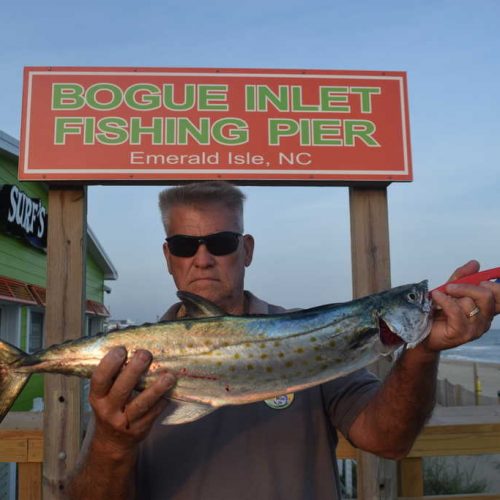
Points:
(253, 451)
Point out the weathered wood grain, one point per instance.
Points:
(66, 252)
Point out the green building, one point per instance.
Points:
(23, 258)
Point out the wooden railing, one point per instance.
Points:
(21, 441)
(466, 430)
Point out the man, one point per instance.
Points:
(254, 451)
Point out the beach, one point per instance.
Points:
(458, 371)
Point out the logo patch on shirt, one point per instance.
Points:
(280, 402)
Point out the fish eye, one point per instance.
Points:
(412, 296)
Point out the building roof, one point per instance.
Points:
(10, 147)
(100, 256)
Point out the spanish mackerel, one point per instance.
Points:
(220, 360)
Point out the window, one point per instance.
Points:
(35, 334)
(10, 324)
(94, 325)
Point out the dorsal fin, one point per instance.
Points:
(198, 307)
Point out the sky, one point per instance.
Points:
(450, 51)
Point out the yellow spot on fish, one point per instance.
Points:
(250, 367)
(319, 358)
(288, 364)
(263, 356)
(225, 344)
(247, 344)
(236, 356)
(277, 343)
(208, 342)
(269, 369)
(262, 346)
(313, 339)
(190, 345)
(299, 350)
(250, 356)
(281, 355)
(219, 363)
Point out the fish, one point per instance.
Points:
(219, 359)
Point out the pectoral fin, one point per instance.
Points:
(182, 412)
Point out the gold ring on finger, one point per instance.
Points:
(474, 311)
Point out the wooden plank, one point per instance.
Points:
(472, 440)
(411, 477)
(66, 250)
(30, 481)
(445, 440)
(35, 450)
(22, 420)
(14, 450)
(472, 496)
(464, 415)
(377, 478)
(345, 449)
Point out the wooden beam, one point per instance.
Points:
(411, 477)
(14, 450)
(377, 478)
(30, 481)
(66, 252)
(471, 496)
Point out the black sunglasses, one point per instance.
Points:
(218, 244)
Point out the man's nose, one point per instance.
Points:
(202, 257)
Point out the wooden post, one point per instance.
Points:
(411, 477)
(477, 385)
(30, 481)
(66, 251)
(377, 478)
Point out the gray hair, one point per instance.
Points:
(199, 193)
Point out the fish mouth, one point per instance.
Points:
(387, 336)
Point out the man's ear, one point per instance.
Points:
(248, 244)
(166, 253)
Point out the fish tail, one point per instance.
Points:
(11, 381)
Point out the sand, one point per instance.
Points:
(462, 372)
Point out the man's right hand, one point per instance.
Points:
(122, 420)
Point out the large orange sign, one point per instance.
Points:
(236, 124)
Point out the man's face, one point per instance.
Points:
(216, 278)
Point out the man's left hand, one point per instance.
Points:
(466, 311)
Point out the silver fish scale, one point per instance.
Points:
(269, 365)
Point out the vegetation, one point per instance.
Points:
(447, 476)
